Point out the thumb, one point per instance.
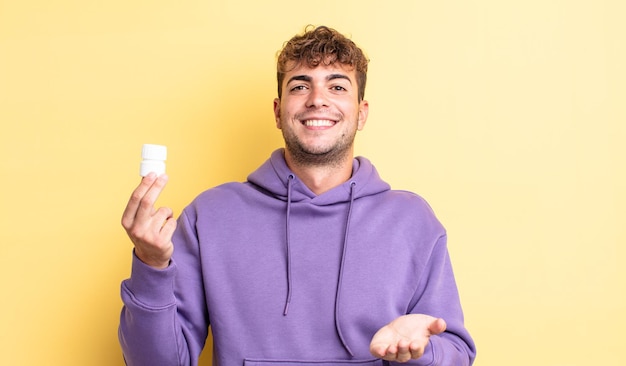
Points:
(438, 326)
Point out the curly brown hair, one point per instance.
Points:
(322, 45)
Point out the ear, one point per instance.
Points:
(364, 108)
(277, 112)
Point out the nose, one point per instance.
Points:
(317, 98)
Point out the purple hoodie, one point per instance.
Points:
(286, 277)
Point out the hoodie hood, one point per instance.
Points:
(274, 176)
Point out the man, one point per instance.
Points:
(313, 260)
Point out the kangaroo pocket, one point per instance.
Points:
(370, 362)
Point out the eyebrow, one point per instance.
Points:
(307, 78)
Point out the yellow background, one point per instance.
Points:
(507, 116)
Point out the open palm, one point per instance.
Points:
(406, 337)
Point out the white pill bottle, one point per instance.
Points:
(154, 157)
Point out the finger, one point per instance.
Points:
(403, 352)
(146, 204)
(417, 350)
(437, 327)
(167, 222)
(391, 353)
(390, 356)
(161, 215)
(153, 227)
(378, 350)
(385, 351)
(403, 346)
(135, 199)
(167, 231)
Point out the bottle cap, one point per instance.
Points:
(154, 152)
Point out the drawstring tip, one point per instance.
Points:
(286, 309)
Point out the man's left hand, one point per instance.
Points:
(406, 337)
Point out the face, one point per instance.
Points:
(319, 114)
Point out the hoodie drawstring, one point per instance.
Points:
(343, 261)
(288, 237)
(343, 258)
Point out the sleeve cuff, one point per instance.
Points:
(150, 286)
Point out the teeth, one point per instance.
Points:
(318, 123)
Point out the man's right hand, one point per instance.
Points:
(148, 228)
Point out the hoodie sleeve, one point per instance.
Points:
(437, 295)
(164, 321)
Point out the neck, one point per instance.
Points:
(321, 178)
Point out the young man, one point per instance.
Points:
(313, 260)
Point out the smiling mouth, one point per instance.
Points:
(318, 123)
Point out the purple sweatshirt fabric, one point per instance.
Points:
(286, 277)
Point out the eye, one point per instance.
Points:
(298, 88)
(338, 88)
